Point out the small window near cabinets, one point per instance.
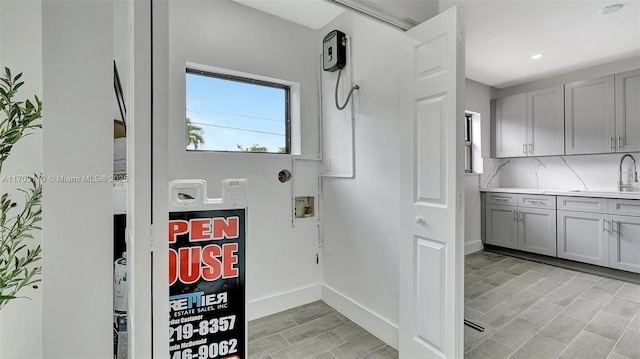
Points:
(468, 143)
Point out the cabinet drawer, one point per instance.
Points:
(582, 204)
(629, 207)
(504, 199)
(536, 201)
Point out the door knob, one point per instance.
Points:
(419, 220)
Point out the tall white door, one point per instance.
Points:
(431, 242)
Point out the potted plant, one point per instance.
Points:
(19, 217)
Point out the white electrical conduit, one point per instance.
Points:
(321, 146)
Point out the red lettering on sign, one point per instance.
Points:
(213, 267)
(176, 228)
(230, 259)
(189, 264)
(200, 229)
(225, 228)
(209, 263)
(173, 265)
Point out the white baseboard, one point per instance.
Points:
(264, 306)
(375, 324)
(473, 246)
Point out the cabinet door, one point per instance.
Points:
(545, 122)
(624, 243)
(583, 237)
(628, 111)
(502, 226)
(589, 116)
(537, 230)
(510, 122)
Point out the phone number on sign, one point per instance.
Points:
(213, 350)
(212, 326)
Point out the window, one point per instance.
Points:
(468, 143)
(236, 114)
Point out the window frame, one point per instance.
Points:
(468, 142)
(252, 81)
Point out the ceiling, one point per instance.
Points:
(502, 35)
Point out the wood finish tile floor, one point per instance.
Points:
(529, 310)
(534, 310)
(313, 331)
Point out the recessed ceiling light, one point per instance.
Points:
(536, 57)
(610, 9)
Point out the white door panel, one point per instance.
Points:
(431, 248)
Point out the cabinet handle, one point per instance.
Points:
(615, 224)
(524, 148)
(540, 202)
(515, 215)
(500, 199)
(604, 228)
(620, 145)
(521, 216)
(531, 148)
(612, 141)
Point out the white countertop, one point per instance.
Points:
(564, 192)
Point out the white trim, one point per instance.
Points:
(262, 307)
(381, 327)
(473, 246)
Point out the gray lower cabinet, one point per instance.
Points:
(501, 226)
(526, 229)
(624, 243)
(600, 231)
(537, 230)
(583, 237)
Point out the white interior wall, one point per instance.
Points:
(20, 24)
(360, 216)
(281, 260)
(478, 100)
(77, 67)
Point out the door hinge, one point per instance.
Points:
(460, 201)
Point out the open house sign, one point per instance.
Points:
(206, 284)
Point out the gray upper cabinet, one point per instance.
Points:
(545, 122)
(589, 116)
(530, 124)
(627, 96)
(510, 121)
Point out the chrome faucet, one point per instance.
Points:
(621, 185)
